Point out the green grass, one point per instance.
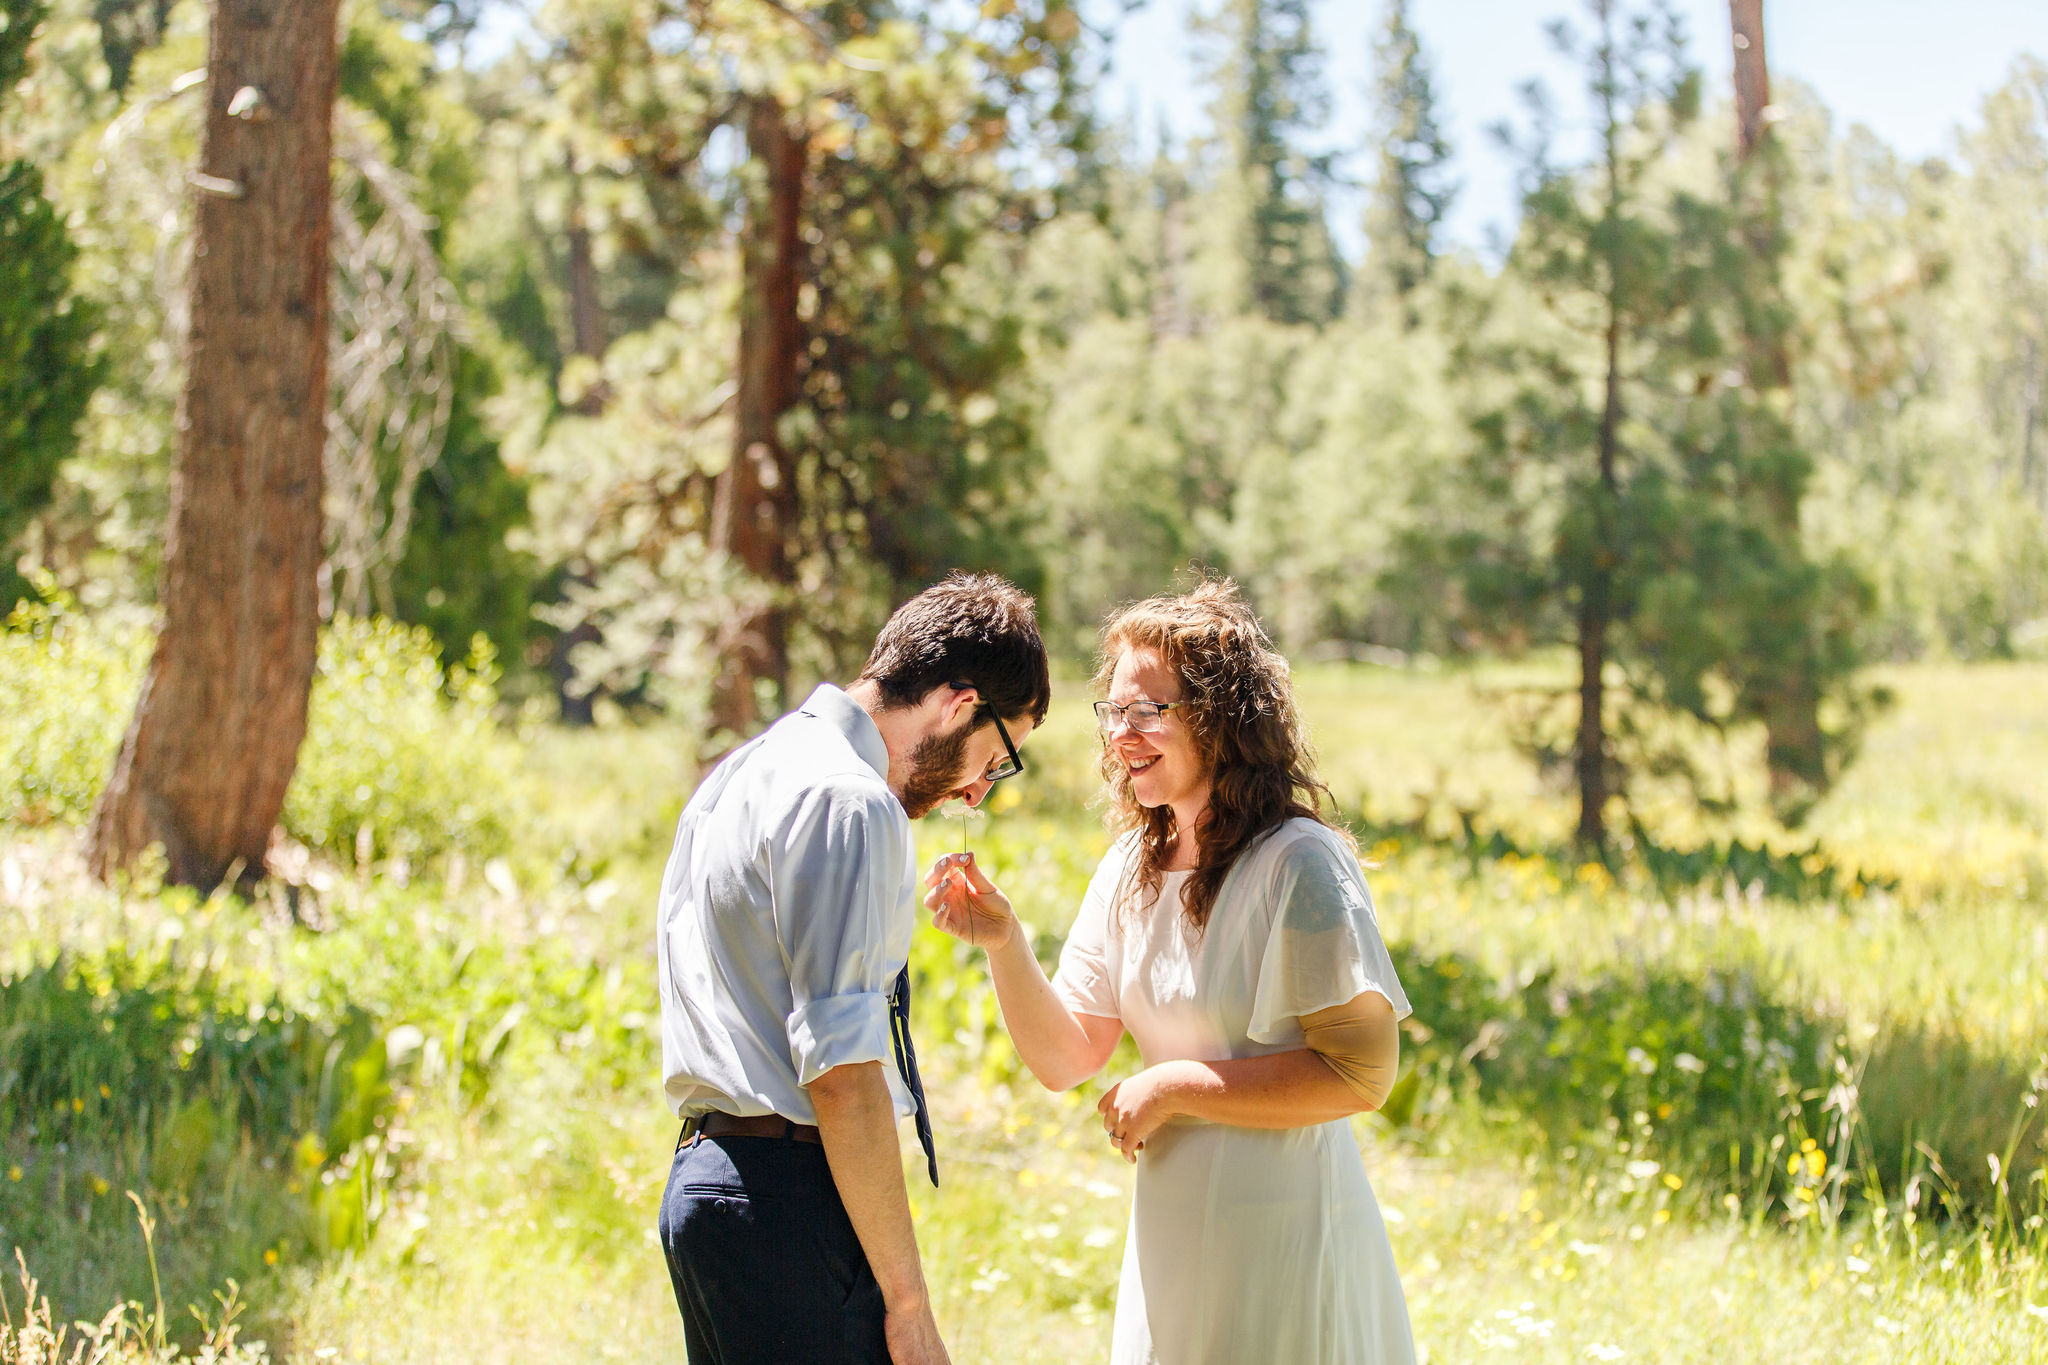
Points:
(515, 1222)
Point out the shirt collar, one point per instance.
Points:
(845, 715)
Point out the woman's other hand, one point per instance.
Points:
(966, 904)
(1133, 1110)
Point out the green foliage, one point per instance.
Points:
(909, 440)
(1637, 496)
(400, 755)
(127, 28)
(1412, 195)
(182, 1067)
(255, 1128)
(399, 751)
(70, 682)
(1268, 248)
(456, 573)
(460, 574)
(48, 367)
(1713, 1076)
(1926, 289)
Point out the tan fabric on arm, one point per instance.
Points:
(1361, 1042)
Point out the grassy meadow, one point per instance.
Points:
(407, 1102)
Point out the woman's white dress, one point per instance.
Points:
(1247, 1246)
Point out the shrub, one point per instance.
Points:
(396, 747)
(1715, 1075)
(395, 744)
(68, 684)
(254, 1128)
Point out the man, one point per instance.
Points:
(785, 926)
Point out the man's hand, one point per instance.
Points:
(914, 1337)
(857, 1122)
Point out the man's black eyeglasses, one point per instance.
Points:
(1013, 762)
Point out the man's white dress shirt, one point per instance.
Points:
(786, 913)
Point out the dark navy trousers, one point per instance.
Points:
(766, 1267)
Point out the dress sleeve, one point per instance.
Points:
(1086, 981)
(1361, 1042)
(838, 870)
(1324, 946)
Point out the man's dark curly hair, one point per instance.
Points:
(977, 629)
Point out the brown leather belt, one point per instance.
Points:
(755, 1125)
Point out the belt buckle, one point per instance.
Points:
(692, 1132)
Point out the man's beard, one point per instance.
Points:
(934, 771)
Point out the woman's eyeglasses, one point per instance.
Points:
(1142, 716)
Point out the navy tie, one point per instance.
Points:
(906, 1065)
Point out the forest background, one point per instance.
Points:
(672, 343)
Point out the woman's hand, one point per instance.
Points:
(1134, 1109)
(966, 904)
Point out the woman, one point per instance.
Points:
(1230, 931)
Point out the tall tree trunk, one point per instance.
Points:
(1590, 758)
(586, 338)
(754, 501)
(1596, 610)
(1794, 746)
(1752, 76)
(216, 731)
(586, 305)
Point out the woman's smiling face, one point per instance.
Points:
(1165, 767)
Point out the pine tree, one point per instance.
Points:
(867, 441)
(1273, 243)
(1627, 466)
(1412, 195)
(48, 369)
(127, 28)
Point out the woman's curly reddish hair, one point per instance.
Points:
(1241, 713)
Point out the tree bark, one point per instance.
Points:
(754, 503)
(1794, 746)
(1752, 75)
(1596, 610)
(1590, 758)
(216, 732)
(586, 338)
(586, 305)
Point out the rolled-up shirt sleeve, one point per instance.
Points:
(840, 888)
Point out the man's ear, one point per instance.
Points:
(957, 698)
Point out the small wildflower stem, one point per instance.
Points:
(156, 1281)
(963, 854)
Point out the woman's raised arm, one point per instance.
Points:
(1061, 1047)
